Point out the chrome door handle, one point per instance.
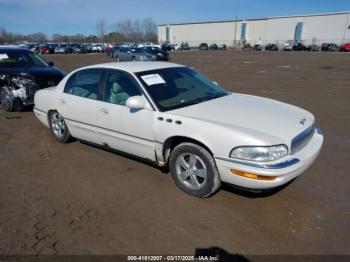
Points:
(104, 110)
(62, 101)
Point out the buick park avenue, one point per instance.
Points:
(174, 116)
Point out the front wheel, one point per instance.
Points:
(193, 170)
(6, 100)
(58, 127)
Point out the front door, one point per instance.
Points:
(120, 127)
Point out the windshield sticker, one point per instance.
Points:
(153, 79)
(3, 56)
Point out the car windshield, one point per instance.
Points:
(20, 58)
(178, 87)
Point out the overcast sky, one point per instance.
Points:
(81, 16)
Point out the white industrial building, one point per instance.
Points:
(308, 29)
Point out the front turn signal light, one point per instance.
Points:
(252, 176)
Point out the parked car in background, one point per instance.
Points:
(299, 47)
(63, 49)
(222, 47)
(313, 48)
(79, 49)
(160, 53)
(97, 48)
(184, 46)
(33, 47)
(175, 46)
(203, 46)
(329, 47)
(286, 47)
(88, 47)
(133, 54)
(166, 47)
(149, 44)
(44, 49)
(271, 47)
(345, 47)
(52, 48)
(173, 116)
(258, 47)
(213, 47)
(16, 62)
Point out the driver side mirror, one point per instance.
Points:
(51, 64)
(136, 102)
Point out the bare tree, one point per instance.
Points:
(137, 31)
(37, 38)
(124, 27)
(101, 29)
(150, 29)
(123, 31)
(115, 37)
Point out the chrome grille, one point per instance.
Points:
(301, 140)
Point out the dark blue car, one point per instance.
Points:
(22, 73)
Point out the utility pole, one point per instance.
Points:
(235, 38)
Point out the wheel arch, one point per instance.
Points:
(49, 112)
(171, 142)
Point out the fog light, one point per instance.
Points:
(252, 176)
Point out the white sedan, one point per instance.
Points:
(171, 115)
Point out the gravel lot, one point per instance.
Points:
(78, 199)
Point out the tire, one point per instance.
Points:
(6, 100)
(193, 170)
(58, 127)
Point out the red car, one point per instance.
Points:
(345, 47)
(43, 49)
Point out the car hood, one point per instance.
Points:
(252, 113)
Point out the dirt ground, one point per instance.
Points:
(78, 199)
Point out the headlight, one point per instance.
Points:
(260, 153)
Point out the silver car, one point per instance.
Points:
(133, 54)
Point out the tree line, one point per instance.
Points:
(129, 30)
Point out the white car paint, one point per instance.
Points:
(220, 124)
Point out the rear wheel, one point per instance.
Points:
(58, 127)
(193, 170)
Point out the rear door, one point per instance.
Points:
(78, 103)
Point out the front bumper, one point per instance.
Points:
(284, 169)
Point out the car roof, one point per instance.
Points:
(10, 49)
(135, 67)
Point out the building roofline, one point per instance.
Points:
(257, 19)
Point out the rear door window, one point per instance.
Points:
(85, 83)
